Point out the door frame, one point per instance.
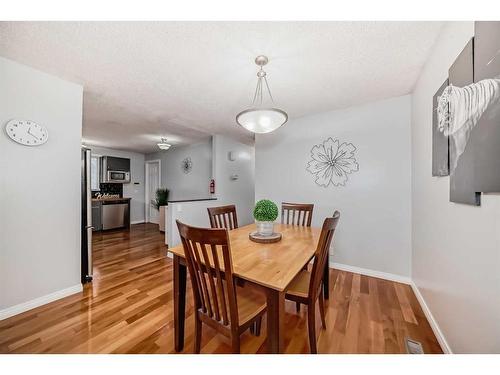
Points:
(147, 198)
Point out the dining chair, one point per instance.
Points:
(219, 301)
(306, 287)
(223, 217)
(304, 211)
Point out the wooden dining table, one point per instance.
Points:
(270, 267)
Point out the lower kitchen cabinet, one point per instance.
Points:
(110, 213)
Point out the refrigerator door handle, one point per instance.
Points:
(88, 157)
(89, 253)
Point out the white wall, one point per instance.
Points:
(240, 192)
(193, 185)
(192, 213)
(374, 228)
(40, 190)
(456, 248)
(137, 170)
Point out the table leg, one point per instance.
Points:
(179, 302)
(326, 281)
(275, 320)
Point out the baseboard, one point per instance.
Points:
(22, 307)
(137, 222)
(430, 318)
(372, 273)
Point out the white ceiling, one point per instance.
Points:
(186, 80)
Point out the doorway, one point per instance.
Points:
(153, 181)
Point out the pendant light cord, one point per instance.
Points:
(258, 95)
(268, 90)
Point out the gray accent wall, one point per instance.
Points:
(374, 228)
(235, 179)
(192, 185)
(239, 191)
(40, 201)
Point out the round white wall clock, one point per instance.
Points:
(26, 132)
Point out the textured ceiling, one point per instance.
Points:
(186, 80)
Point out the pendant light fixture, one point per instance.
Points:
(163, 145)
(260, 118)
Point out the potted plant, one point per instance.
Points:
(160, 202)
(265, 212)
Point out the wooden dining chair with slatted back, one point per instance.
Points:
(297, 213)
(306, 287)
(304, 213)
(219, 302)
(223, 217)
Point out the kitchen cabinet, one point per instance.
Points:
(110, 213)
(114, 215)
(163, 211)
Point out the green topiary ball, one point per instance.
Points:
(265, 210)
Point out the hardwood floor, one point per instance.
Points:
(129, 309)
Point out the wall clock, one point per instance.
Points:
(26, 132)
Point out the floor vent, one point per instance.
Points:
(413, 347)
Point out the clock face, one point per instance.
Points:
(27, 132)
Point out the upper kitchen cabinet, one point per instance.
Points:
(115, 170)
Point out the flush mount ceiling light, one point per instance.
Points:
(261, 119)
(163, 145)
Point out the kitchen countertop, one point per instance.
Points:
(191, 200)
(111, 199)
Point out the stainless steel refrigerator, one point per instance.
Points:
(86, 218)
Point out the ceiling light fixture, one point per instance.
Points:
(163, 145)
(261, 119)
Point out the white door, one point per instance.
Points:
(152, 184)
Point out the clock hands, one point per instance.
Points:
(33, 135)
(30, 133)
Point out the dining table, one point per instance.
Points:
(268, 266)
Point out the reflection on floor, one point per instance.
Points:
(129, 309)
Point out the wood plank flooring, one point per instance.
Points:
(129, 309)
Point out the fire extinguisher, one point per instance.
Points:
(212, 186)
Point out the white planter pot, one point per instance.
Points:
(265, 228)
(162, 218)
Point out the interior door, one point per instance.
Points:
(153, 184)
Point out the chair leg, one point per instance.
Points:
(297, 306)
(252, 329)
(235, 343)
(311, 326)
(197, 334)
(322, 308)
(258, 324)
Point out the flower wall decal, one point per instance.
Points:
(331, 162)
(187, 165)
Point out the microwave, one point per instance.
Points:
(115, 170)
(118, 176)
